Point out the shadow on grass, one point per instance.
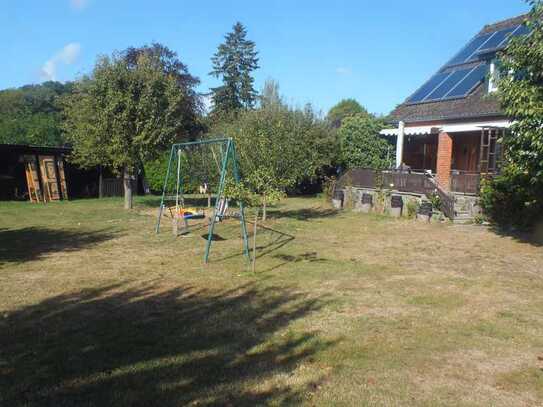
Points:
(31, 243)
(276, 240)
(534, 237)
(308, 257)
(302, 214)
(155, 346)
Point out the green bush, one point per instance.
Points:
(155, 173)
(436, 201)
(412, 208)
(360, 143)
(512, 200)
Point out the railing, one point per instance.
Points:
(359, 177)
(446, 199)
(402, 181)
(465, 182)
(415, 182)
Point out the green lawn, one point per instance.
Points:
(343, 309)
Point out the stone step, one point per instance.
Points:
(463, 218)
(463, 221)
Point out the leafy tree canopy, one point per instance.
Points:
(32, 114)
(515, 197)
(127, 112)
(344, 109)
(234, 63)
(522, 98)
(360, 143)
(278, 147)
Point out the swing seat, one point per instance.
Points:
(222, 210)
(194, 216)
(191, 213)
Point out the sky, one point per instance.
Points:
(319, 52)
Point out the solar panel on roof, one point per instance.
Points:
(470, 49)
(522, 30)
(428, 87)
(453, 79)
(465, 86)
(498, 38)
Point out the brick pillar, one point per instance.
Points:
(444, 159)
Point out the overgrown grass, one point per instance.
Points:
(343, 309)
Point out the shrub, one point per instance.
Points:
(155, 172)
(435, 200)
(412, 208)
(512, 200)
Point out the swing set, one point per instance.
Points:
(208, 162)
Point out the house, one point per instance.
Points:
(450, 124)
(447, 131)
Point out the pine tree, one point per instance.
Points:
(234, 62)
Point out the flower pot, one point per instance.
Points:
(425, 212)
(366, 204)
(396, 206)
(338, 199)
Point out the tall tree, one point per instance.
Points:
(169, 62)
(126, 112)
(344, 109)
(270, 95)
(516, 196)
(234, 63)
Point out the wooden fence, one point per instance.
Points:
(115, 187)
(401, 181)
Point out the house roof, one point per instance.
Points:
(476, 102)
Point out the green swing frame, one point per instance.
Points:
(228, 153)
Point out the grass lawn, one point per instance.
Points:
(343, 309)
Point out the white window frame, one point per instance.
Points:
(493, 77)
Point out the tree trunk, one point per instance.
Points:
(127, 181)
(264, 207)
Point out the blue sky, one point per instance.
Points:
(319, 51)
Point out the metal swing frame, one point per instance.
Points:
(228, 153)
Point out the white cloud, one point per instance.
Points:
(79, 4)
(67, 56)
(342, 70)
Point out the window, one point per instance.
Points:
(494, 76)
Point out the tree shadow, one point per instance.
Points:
(308, 257)
(153, 346)
(303, 214)
(31, 243)
(533, 237)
